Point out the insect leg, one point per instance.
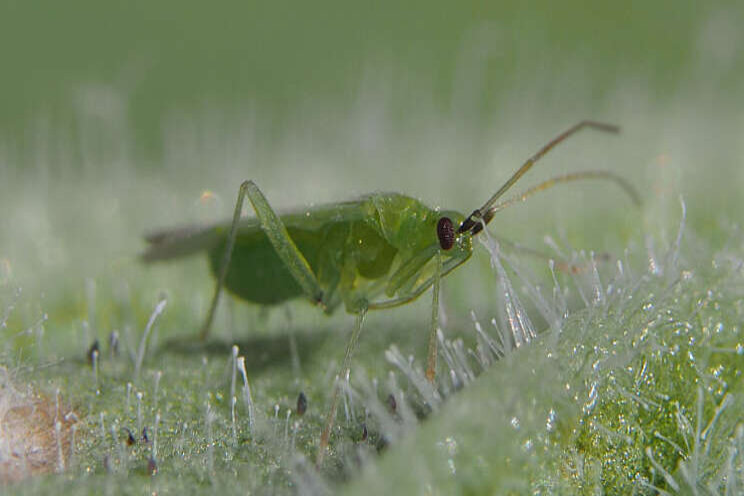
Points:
(560, 262)
(223, 265)
(431, 361)
(287, 250)
(417, 291)
(342, 374)
(279, 238)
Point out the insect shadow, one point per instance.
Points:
(261, 351)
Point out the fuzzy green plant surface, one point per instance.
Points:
(617, 370)
(640, 393)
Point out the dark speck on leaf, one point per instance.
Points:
(130, 437)
(95, 347)
(301, 404)
(392, 403)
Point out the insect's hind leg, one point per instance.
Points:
(279, 238)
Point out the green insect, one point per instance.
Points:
(380, 251)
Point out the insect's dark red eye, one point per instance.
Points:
(446, 233)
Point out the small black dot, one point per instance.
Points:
(94, 351)
(301, 404)
(130, 437)
(392, 404)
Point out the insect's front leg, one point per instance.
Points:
(279, 238)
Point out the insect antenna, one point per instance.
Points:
(473, 222)
(575, 176)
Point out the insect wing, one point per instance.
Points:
(179, 242)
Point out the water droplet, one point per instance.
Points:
(551, 423)
(451, 446)
(592, 402)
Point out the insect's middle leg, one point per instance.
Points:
(342, 374)
(279, 238)
(431, 361)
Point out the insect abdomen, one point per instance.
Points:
(256, 273)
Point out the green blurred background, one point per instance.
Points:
(148, 63)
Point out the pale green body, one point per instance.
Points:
(377, 251)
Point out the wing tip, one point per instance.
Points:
(177, 242)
